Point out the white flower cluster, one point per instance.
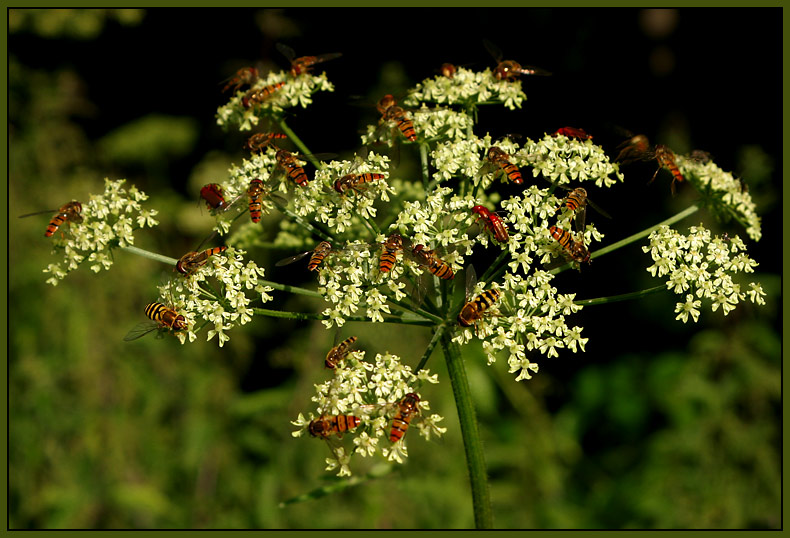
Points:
(561, 160)
(372, 393)
(529, 316)
(109, 220)
(216, 295)
(467, 88)
(702, 267)
(297, 91)
(727, 195)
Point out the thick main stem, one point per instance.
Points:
(475, 459)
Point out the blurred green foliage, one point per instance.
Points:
(152, 434)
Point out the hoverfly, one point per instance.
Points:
(572, 132)
(491, 222)
(508, 69)
(255, 97)
(498, 159)
(408, 406)
(256, 192)
(391, 112)
(339, 352)
(69, 212)
(475, 309)
(287, 162)
(355, 182)
(317, 255)
(192, 261)
(389, 255)
(435, 264)
(575, 250)
(577, 202)
(260, 141)
(638, 148)
(162, 318)
(447, 70)
(244, 76)
(304, 64)
(324, 426)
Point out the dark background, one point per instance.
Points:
(690, 78)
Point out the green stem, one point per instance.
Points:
(429, 350)
(306, 316)
(632, 238)
(424, 164)
(475, 459)
(644, 233)
(150, 255)
(623, 297)
(291, 289)
(299, 144)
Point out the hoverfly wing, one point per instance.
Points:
(326, 57)
(598, 209)
(493, 50)
(45, 211)
(140, 330)
(471, 282)
(292, 259)
(286, 51)
(534, 71)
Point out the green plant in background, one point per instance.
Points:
(394, 250)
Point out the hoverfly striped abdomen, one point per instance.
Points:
(473, 310)
(324, 426)
(166, 316)
(407, 408)
(339, 352)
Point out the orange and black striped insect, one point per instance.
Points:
(288, 163)
(391, 246)
(256, 193)
(572, 132)
(353, 182)
(162, 318)
(317, 255)
(391, 112)
(244, 76)
(192, 261)
(637, 148)
(577, 201)
(473, 310)
(339, 352)
(304, 64)
(70, 212)
(435, 264)
(508, 69)
(491, 222)
(497, 157)
(575, 250)
(260, 141)
(324, 426)
(407, 408)
(255, 97)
